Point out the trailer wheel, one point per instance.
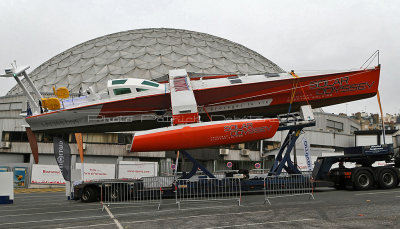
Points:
(88, 195)
(387, 179)
(363, 180)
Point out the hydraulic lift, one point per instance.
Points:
(294, 123)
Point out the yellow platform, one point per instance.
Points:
(36, 190)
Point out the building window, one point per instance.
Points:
(14, 136)
(334, 125)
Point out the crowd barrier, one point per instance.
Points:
(150, 189)
(288, 185)
(146, 190)
(207, 189)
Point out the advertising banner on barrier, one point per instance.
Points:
(97, 171)
(137, 169)
(46, 174)
(4, 169)
(19, 177)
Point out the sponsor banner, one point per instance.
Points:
(302, 163)
(62, 152)
(97, 171)
(46, 174)
(307, 154)
(137, 170)
(19, 177)
(4, 169)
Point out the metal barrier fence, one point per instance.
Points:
(288, 185)
(146, 190)
(207, 189)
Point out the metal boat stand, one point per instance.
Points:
(195, 168)
(294, 123)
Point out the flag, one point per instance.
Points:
(79, 142)
(33, 144)
(307, 154)
(62, 152)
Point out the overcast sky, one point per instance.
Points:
(299, 35)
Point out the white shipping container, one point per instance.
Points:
(366, 140)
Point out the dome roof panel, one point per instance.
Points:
(74, 79)
(61, 72)
(170, 41)
(145, 53)
(192, 68)
(155, 34)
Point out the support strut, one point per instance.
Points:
(283, 160)
(196, 166)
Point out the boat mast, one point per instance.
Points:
(35, 90)
(16, 72)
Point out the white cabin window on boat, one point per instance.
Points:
(122, 91)
(117, 82)
(149, 83)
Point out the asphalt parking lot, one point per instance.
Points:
(330, 209)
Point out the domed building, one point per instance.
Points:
(148, 54)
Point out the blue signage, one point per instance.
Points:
(3, 169)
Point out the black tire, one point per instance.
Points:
(387, 179)
(363, 180)
(89, 195)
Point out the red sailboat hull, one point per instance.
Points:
(201, 135)
(266, 97)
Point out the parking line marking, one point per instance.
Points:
(194, 216)
(51, 220)
(170, 218)
(374, 193)
(174, 210)
(53, 212)
(263, 223)
(86, 226)
(73, 208)
(48, 204)
(113, 218)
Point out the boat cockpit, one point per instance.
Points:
(133, 86)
